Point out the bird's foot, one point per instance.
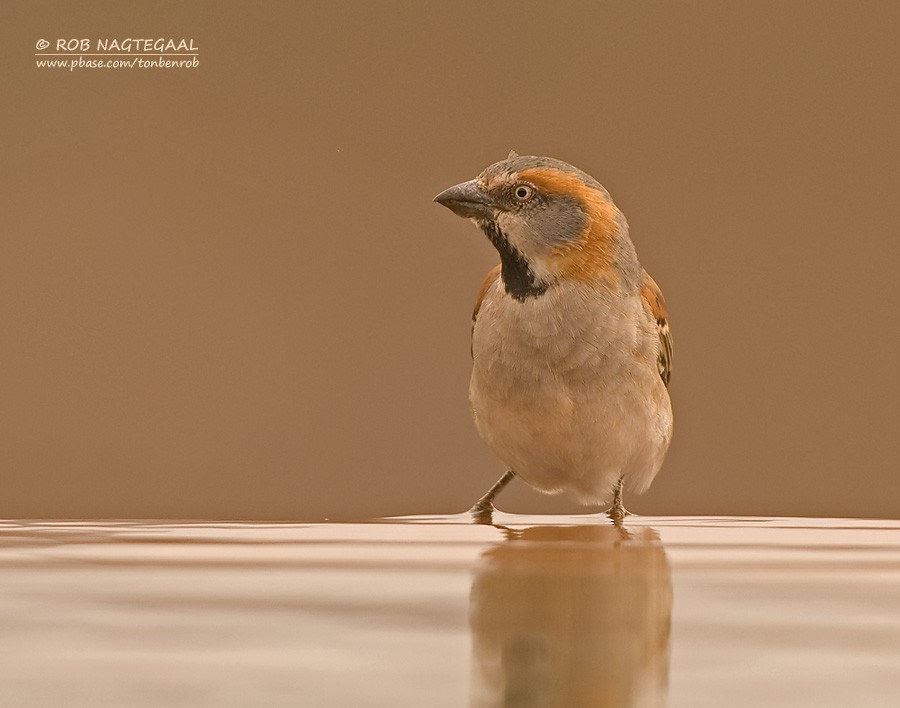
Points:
(617, 513)
(482, 512)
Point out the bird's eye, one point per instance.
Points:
(523, 192)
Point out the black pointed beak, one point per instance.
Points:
(468, 200)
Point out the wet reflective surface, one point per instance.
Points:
(571, 616)
(434, 611)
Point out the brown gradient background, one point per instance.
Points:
(225, 291)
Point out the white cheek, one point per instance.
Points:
(513, 229)
(532, 249)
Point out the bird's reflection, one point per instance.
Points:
(572, 616)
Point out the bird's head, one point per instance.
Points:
(549, 221)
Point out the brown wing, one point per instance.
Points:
(492, 275)
(654, 298)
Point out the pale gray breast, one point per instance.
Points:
(573, 333)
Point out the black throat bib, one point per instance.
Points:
(518, 278)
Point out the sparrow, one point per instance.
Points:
(571, 346)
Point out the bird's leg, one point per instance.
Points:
(617, 512)
(484, 507)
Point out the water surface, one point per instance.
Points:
(435, 611)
